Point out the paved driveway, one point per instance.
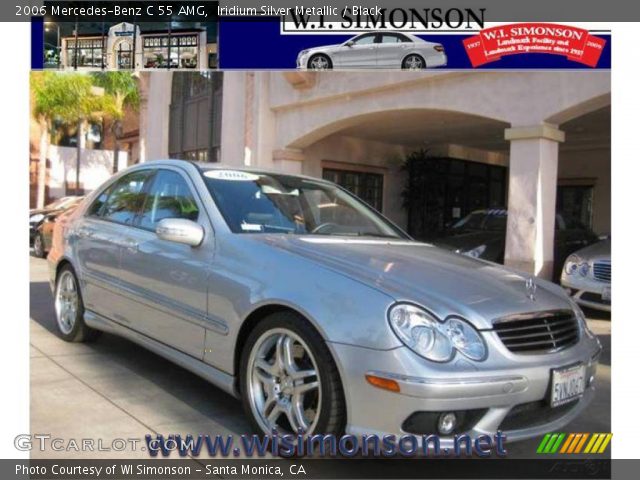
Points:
(113, 389)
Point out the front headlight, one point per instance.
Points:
(575, 264)
(476, 252)
(303, 53)
(432, 339)
(36, 218)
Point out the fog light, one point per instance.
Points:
(447, 423)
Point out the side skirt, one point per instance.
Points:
(217, 377)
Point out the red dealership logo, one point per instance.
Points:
(492, 44)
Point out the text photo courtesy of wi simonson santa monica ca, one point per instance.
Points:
(339, 242)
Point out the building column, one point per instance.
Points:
(233, 150)
(533, 175)
(288, 160)
(155, 102)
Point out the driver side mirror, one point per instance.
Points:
(350, 43)
(180, 230)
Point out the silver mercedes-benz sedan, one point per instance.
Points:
(375, 50)
(587, 276)
(316, 311)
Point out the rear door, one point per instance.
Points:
(99, 236)
(391, 50)
(165, 283)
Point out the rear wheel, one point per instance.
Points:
(413, 62)
(70, 309)
(288, 379)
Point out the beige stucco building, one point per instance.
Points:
(548, 130)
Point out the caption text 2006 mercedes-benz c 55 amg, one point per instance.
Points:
(319, 313)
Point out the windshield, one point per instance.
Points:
(495, 221)
(271, 203)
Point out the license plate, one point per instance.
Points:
(567, 384)
(606, 294)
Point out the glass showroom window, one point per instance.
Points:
(367, 186)
(183, 51)
(90, 52)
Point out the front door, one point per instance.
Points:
(124, 56)
(361, 53)
(98, 239)
(165, 283)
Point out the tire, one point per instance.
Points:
(308, 351)
(319, 61)
(38, 246)
(70, 308)
(413, 62)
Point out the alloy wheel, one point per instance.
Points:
(283, 383)
(66, 302)
(319, 62)
(413, 62)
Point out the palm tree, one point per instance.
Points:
(121, 92)
(66, 97)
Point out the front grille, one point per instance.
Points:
(538, 332)
(602, 271)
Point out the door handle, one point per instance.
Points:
(84, 233)
(130, 245)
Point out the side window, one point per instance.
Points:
(168, 197)
(392, 38)
(365, 39)
(97, 204)
(126, 198)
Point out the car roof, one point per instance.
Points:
(221, 166)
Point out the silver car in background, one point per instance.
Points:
(587, 276)
(316, 311)
(375, 50)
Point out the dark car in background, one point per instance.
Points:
(482, 234)
(41, 223)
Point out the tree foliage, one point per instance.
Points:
(66, 97)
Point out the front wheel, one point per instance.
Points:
(288, 379)
(413, 62)
(38, 246)
(70, 309)
(319, 62)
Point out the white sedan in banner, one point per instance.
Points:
(375, 50)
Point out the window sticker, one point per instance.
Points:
(232, 175)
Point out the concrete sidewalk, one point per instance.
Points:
(113, 389)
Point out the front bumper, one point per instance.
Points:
(587, 292)
(500, 388)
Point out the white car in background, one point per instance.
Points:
(375, 50)
(587, 276)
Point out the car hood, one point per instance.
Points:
(469, 240)
(323, 48)
(600, 249)
(443, 282)
(42, 211)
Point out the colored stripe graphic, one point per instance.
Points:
(543, 443)
(573, 443)
(567, 442)
(603, 447)
(582, 442)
